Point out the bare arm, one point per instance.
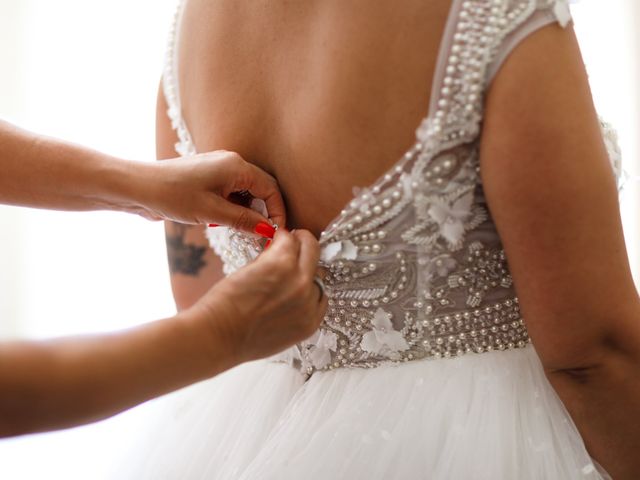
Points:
(193, 265)
(62, 383)
(39, 171)
(550, 188)
(43, 172)
(259, 311)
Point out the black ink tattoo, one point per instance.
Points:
(184, 258)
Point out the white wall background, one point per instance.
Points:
(87, 71)
(609, 34)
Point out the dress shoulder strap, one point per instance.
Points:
(546, 13)
(478, 37)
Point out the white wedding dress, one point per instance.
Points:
(422, 367)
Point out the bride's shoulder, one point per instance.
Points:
(552, 194)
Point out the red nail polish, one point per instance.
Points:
(267, 243)
(213, 225)
(265, 230)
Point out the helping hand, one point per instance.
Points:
(268, 305)
(198, 190)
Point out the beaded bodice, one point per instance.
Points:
(415, 266)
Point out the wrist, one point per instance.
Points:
(207, 322)
(131, 186)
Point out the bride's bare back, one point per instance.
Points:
(324, 95)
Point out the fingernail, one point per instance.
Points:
(267, 243)
(213, 225)
(265, 230)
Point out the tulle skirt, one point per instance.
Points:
(479, 416)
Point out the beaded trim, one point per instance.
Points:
(415, 268)
(185, 146)
(478, 29)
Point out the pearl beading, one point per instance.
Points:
(184, 146)
(440, 171)
(425, 276)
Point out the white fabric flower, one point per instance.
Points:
(345, 249)
(259, 206)
(323, 343)
(442, 265)
(451, 217)
(562, 12)
(610, 136)
(383, 339)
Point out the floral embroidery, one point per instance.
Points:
(445, 217)
(441, 265)
(611, 142)
(383, 339)
(451, 217)
(415, 267)
(345, 249)
(323, 342)
(562, 12)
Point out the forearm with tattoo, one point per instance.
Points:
(184, 257)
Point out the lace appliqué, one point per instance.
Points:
(562, 12)
(383, 339)
(170, 84)
(445, 292)
(415, 268)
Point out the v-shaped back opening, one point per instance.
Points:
(172, 85)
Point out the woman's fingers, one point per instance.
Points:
(214, 187)
(309, 252)
(285, 248)
(242, 176)
(272, 303)
(243, 218)
(308, 265)
(263, 186)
